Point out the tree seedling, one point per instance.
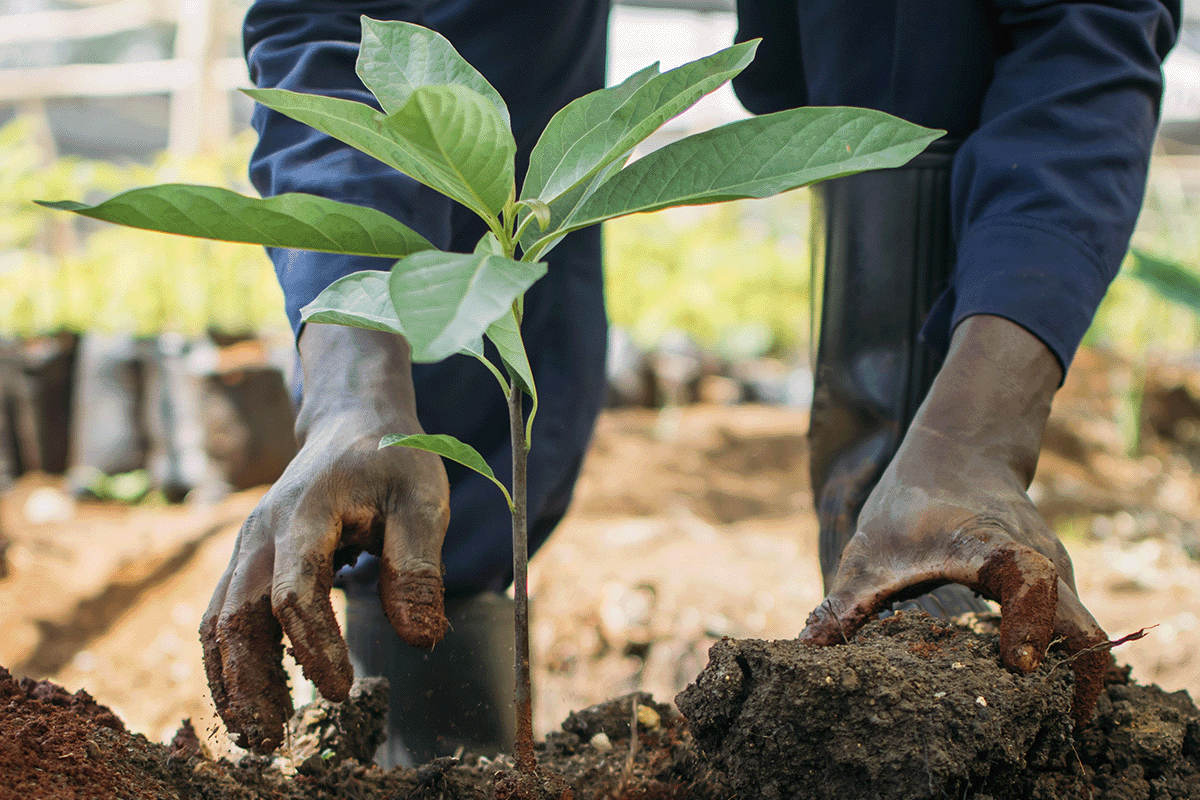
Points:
(445, 126)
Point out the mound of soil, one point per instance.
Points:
(911, 709)
(914, 709)
(64, 746)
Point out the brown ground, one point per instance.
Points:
(913, 709)
(691, 524)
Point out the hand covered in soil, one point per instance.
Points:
(952, 507)
(341, 495)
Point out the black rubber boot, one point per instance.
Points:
(887, 248)
(460, 694)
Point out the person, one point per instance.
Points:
(956, 292)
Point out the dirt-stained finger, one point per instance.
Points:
(213, 670)
(257, 703)
(410, 570)
(858, 594)
(1026, 585)
(303, 579)
(1091, 655)
(827, 624)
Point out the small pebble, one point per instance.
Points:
(647, 718)
(601, 742)
(47, 504)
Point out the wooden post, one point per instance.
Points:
(60, 238)
(200, 109)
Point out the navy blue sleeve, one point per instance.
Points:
(774, 80)
(1048, 188)
(1056, 103)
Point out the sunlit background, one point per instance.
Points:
(97, 96)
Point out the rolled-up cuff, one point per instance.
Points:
(1042, 278)
(304, 274)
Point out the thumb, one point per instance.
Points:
(410, 576)
(1026, 584)
(856, 597)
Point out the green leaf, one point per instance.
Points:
(505, 333)
(397, 57)
(298, 221)
(570, 124)
(360, 300)
(458, 131)
(489, 245)
(474, 348)
(563, 209)
(447, 447)
(1170, 280)
(447, 300)
(447, 137)
(598, 128)
(757, 157)
(539, 210)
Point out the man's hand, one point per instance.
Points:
(952, 508)
(340, 496)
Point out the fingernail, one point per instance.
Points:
(1026, 658)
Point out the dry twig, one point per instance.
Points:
(1132, 637)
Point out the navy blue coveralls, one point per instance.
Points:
(1056, 104)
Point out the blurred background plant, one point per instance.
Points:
(1154, 304)
(734, 277)
(58, 275)
(115, 363)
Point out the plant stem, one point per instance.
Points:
(522, 694)
(521, 228)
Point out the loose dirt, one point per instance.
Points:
(913, 709)
(60, 746)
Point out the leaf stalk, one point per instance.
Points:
(524, 224)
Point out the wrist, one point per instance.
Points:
(994, 391)
(354, 371)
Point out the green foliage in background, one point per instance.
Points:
(60, 273)
(1146, 308)
(1171, 280)
(735, 277)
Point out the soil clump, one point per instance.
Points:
(913, 708)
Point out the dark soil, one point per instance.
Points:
(62, 746)
(896, 714)
(916, 709)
